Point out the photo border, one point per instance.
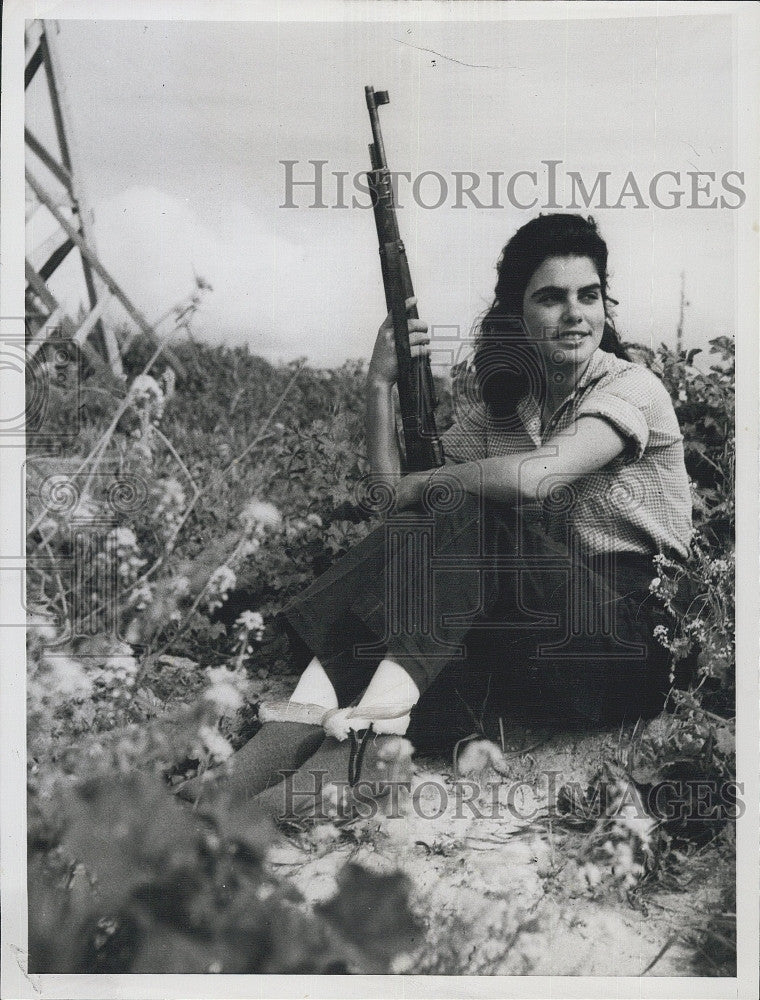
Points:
(15, 981)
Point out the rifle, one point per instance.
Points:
(416, 389)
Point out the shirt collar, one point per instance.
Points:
(599, 364)
(528, 408)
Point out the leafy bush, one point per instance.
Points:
(700, 594)
(139, 531)
(126, 881)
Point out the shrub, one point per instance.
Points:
(700, 594)
(126, 881)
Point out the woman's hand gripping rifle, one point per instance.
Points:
(416, 390)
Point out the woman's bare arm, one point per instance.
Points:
(380, 418)
(589, 444)
(380, 428)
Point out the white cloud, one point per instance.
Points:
(154, 243)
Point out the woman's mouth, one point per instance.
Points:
(574, 336)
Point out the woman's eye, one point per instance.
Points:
(590, 297)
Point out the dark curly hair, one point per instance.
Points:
(507, 363)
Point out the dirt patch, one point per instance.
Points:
(499, 892)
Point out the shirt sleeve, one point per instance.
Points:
(638, 406)
(466, 439)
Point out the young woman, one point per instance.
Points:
(526, 560)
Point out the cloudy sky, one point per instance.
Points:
(181, 128)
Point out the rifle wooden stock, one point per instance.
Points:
(416, 389)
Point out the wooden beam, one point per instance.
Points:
(55, 103)
(33, 64)
(59, 104)
(89, 322)
(52, 322)
(56, 318)
(68, 327)
(37, 284)
(86, 252)
(56, 258)
(48, 159)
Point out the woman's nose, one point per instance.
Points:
(572, 312)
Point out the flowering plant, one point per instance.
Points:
(699, 594)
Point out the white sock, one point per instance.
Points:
(391, 688)
(315, 687)
(387, 702)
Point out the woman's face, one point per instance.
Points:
(563, 310)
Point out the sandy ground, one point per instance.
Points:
(502, 895)
(499, 883)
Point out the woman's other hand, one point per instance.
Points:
(383, 368)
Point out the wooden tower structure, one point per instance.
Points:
(54, 185)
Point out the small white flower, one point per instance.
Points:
(217, 747)
(223, 675)
(592, 874)
(249, 547)
(122, 666)
(168, 381)
(259, 515)
(180, 585)
(220, 582)
(396, 749)
(146, 385)
(640, 826)
(141, 597)
(227, 690)
(325, 835)
(124, 538)
(172, 495)
(66, 678)
(147, 394)
(478, 756)
(251, 621)
(226, 698)
(655, 584)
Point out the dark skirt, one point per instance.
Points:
(475, 598)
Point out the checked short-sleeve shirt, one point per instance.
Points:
(639, 502)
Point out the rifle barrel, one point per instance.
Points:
(373, 99)
(416, 388)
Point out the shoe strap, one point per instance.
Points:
(359, 740)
